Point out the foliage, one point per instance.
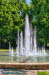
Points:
(12, 15)
(10, 19)
(40, 17)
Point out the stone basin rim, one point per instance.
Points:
(24, 63)
(26, 66)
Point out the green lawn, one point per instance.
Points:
(43, 73)
(4, 49)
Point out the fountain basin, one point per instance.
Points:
(5, 57)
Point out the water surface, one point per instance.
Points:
(5, 57)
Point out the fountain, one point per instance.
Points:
(9, 47)
(12, 52)
(35, 43)
(43, 50)
(18, 40)
(27, 36)
(28, 47)
(21, 43)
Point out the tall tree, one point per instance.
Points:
(40, 17)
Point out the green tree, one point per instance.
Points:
(11, 20)
(40, 17)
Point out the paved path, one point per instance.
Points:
(32, 72)
(29, 72)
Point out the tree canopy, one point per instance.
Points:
(12, 14)
(40, 17)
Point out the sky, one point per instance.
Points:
(28, 1)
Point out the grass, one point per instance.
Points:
(3, 49)
(43, 73)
